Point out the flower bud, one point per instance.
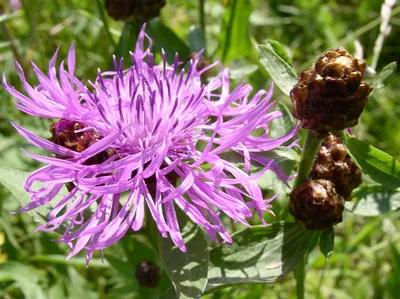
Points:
(331, 94)
(140, 9)
(334, 164)
(317, 205)
(147, 274)
(64, 133)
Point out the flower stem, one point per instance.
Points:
(300, 276)
(202, 16)
(105, 22)
(310, 149)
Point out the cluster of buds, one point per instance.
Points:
(328, 97)
(319, 202)
(124, 10)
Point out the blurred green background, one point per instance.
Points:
(366, 261)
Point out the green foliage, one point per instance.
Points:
(381, 167)
(14, 181)
(326, 243)
(373, 201)
(258, 255)
(235, 40)
(383, 75)
(282, 74)
(187, 270)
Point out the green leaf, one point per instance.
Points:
(235, 39)
(282, 125)
(280, 50)
(57, 290)
(196, 38)
(127, 42)
(164, 38)
(187, 270)
(26, 279)
(282, 154)
(279, 155)
(168, 294)
(383, 75)
(381, 167)
(326, 243)
(373, 201)
(282, 74)
(393, 279)
(14, 180)
(258, 255)
(240, 69)
(75, 261)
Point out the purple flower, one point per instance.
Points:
(150, 136)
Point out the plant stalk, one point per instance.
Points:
(105, 22)
(202, 16)
(310, 149)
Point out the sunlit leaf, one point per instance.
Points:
(14, 180)
(258, 255)
(380, 166)
(187, 270)
(279, 49)
(26, 279)
(383, 75)
(282, 74)
(235, 39)
(373, 201)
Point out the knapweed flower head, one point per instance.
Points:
(331, 94)
(147, 136)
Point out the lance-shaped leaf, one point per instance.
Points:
(258, 255)
(373, 201)
(383, 75)
(187, 270)
(234, 40)
(326, 243)
(381, 167)
(13, 180)
(282, 74)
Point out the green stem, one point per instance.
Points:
(300, 275)
(310, 149)
(202, 16)
(105, 22)
(229, 30)
(17, 55)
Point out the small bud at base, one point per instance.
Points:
(147, 274)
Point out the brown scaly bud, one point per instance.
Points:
(331, 94)
(334, 164)
(123, 10)
(147, 274)
(317, 205)
(64, 133)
